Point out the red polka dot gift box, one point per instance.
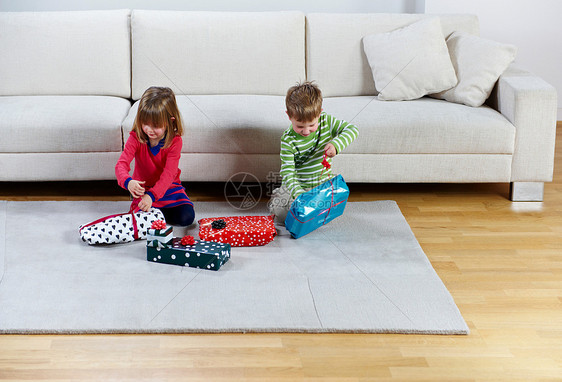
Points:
(238, 231)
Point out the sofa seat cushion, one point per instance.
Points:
(422, 126)
(34, 124)
(253, 124)
(248, 124)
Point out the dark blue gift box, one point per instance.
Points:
(201, 254)
(317, 207)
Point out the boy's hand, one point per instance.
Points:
(330, 150)
(145, 203)
(135, 188)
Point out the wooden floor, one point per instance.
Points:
(501, 261)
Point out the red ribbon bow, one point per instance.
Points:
(158, 224)
(187, 240)
(325, 163)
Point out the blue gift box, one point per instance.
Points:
(317, 207)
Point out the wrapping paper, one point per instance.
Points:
(120, 228)
(238, 231)
(317, 207)
(200, 254)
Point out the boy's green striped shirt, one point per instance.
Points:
(301, 157)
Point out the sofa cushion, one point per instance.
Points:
(217, 52)
(24, 167)
(422, 126)
(65, 53)
(254, 124)
(335, 57)
(248, 124)
(40, 124)
(478, 63)
(410, 62)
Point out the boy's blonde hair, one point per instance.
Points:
(158, 108)
(304, 101)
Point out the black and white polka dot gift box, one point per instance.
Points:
(201, 254)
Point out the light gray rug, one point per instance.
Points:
(363, 272)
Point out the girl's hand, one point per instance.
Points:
(145, 203)
(330, 150)
(135, 188)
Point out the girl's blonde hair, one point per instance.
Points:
(158, 108)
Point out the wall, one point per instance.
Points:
(533, 26)
(391, 6)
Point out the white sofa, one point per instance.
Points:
(70, 83)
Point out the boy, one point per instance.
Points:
(312, 134)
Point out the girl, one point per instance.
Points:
(155, 144)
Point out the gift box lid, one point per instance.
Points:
(161, 232)
(201, 246)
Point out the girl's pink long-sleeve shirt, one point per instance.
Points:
(158, 171)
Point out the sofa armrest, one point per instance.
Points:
(530, 104)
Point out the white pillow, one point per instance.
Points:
(410, 62)
(478, 64)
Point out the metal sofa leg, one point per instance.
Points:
(526, 191)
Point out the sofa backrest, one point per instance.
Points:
(65, 53)
(217, 52)
(335, 59)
